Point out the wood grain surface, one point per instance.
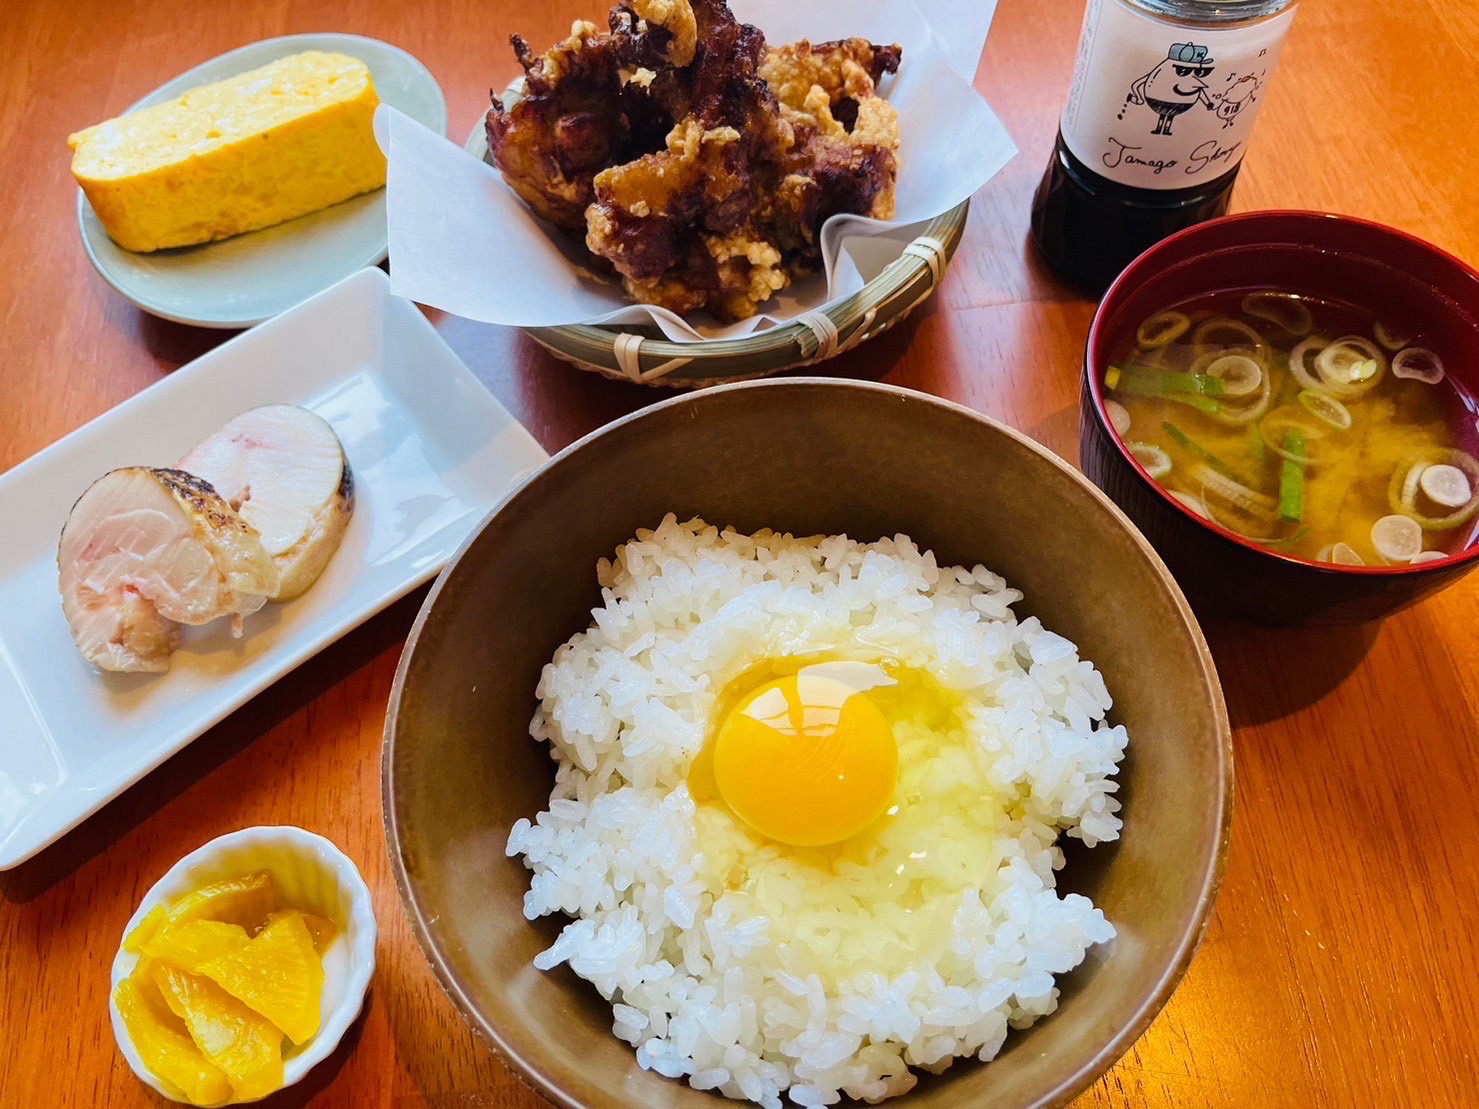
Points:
(1340, 966)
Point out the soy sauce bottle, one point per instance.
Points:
(1163, 100)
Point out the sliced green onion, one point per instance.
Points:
(1407, 480)
(1162, 329)
(1388, 339)
(1198, 450)
(1397, 538)
(1155, 461)
(1287, 416)
(1418, 364)
(1326, 408)
(1146, 382)
(1340, 554)
(1291, 479)
(1256, 450)
(1402, 492)
(1275, 431)
(1349, 367)
(1272, 542)
(1302, 367)
(1194, 505)
(1445, 485)
(1267, 539)
(1240, 375)
(1201, 404)
(1119, 417)
(1247, 414)
(1192, 390)
(1202, 362)
(1285, 309)
(1263, 539)
(1214, 333)
(1257, 505)
(1290, 540)
(1286, 455)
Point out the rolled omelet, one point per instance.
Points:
(238, 155)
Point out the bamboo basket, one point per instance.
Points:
(643, 355)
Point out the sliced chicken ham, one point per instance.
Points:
(147, 550)
(284, 470)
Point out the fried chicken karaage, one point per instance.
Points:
(698, 163)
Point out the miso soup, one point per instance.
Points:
(1306, 426)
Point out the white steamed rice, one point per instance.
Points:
(734, 990)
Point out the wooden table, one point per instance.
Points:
(1339, 967)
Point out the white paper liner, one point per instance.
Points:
(462, 241)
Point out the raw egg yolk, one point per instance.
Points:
(806, 759)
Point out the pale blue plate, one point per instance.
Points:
(242, 281)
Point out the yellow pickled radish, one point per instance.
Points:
(189, 945)
(144, 930)
(244, 1045)
(243, 901)
(167, 1050)
(321, 928)
(148, 993)
(224, 975)
(278, 974)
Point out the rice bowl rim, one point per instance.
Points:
(528, 1070)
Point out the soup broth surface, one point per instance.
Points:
(1310, 461)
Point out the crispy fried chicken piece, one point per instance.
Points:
(845, 158)
(844, 68)
(730, 275)
(565, 126)
(723, 86)
(674, 224)
(699, 164)
(585, 105)
(749, 272)
(673, 24)
(678, 225)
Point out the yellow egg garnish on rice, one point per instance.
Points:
(809, 759)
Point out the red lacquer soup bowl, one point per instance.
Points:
(1325, 256)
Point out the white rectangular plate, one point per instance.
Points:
(432, 453)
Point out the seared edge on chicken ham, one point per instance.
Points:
(145, 550)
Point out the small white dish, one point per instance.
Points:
(311, 874)
(432, 453)
(241, 281)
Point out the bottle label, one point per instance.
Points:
(1158, 105)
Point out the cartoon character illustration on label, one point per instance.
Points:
(1174, 86)
(1243, 92)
